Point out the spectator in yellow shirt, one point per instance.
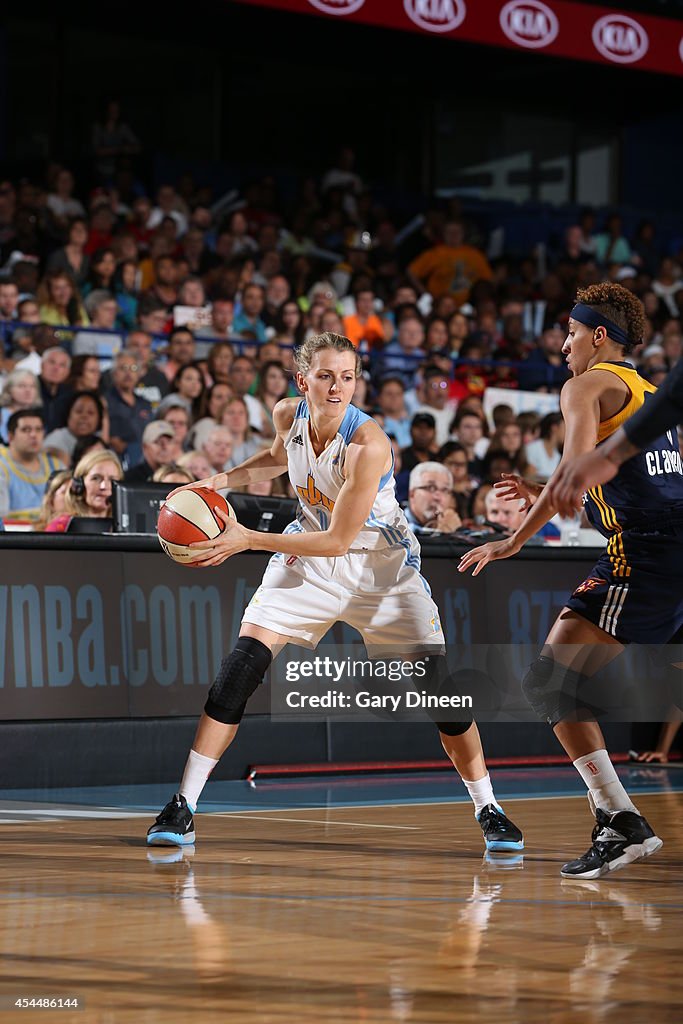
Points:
(60, 301)
(450, 268)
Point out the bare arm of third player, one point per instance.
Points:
(664, 412)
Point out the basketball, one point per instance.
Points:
(188, 517)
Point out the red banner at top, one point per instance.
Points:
(557, 27)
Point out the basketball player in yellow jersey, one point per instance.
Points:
(349, 556)
(634, 593)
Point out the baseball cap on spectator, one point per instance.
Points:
(153, 431)
(172, 401)
(625, 272)
(424, 418)
(652, 350)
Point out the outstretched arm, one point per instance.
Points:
(580, 403)
(663, 412)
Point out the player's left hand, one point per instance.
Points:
(232, 540)
(485, 553)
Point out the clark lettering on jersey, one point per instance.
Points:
(663, 461)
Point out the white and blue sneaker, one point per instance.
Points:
(174, 826)
(500, 834)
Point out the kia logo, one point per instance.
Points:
(337, 6)
(529, 23)
(620, 39)
(436, 15)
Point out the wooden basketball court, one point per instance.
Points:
(349, 914)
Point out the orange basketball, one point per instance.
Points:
(188, 517)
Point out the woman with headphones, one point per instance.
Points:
(90, 489)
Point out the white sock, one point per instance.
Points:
(197, 770)
(481, 792)
(597, 771)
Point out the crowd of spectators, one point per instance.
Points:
(150, 335)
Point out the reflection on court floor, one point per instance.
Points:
(335, 900)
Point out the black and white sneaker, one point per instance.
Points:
(499, 832)
(174, 826)
(619, 839)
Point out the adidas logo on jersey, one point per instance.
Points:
(298, 440)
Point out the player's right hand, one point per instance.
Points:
(485, 553)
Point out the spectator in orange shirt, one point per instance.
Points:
(364, 324)
(450, 268)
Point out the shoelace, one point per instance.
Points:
(491, 817)
(168, 810)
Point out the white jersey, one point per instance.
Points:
(318, 479)
(376, 587)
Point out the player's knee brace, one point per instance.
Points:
(453, 728)
(238, 677)
(440, 683)
(552, 689)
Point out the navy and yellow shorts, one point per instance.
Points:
(635, 590)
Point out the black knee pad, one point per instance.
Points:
(439, 682)
(238, 677)
(453, 728)
(552, 689)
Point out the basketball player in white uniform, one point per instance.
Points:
(349, 556)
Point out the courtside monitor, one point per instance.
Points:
(135, 507)
(268, 515)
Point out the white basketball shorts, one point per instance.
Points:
(376, 592)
